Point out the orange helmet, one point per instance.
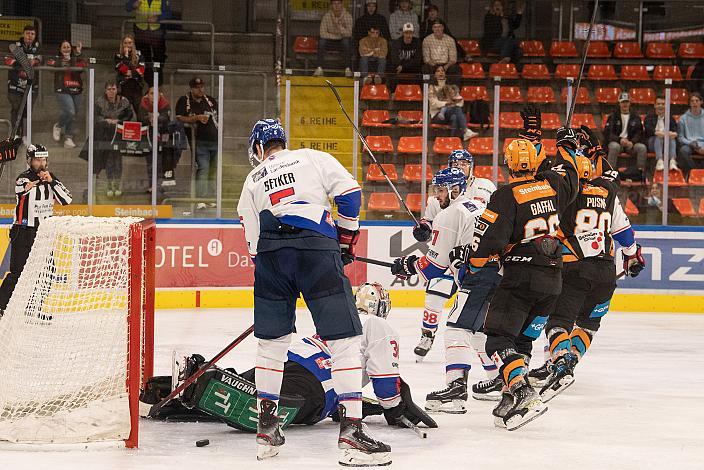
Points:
(584, 168)
(521, 157)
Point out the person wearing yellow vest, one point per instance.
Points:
(149, 34)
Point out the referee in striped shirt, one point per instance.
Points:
(35, 189)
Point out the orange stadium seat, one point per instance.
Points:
(410, 145)
(642, 95)
(375, 118)
(604, 118)
(701, 207)
(583, 118)
(481, 146)
(445, 145)
(691, 50)
(696, 177)
(380, 143)
(510, 120)
(375, 93)
(414, 201)
(598, 50)
(690, 71)
(551, 121)
(631, 210)
(471, 93)
(566, 70)
(660, 50)
(635, 73)
(416, 116)
(510, 94)
(602, 72)
(676, 178)
(305, 45)
(484, 171)
(608, 95)
(540, 94)
(470, 47)
(383, 202)
(503, 70)
(535, 72)
(374, 172)
(679, 96)
(662, 72)
(472, 70)
(684, 206)
(627, 50)
(533, 48)
(408, 92)
(412, 173)
(582, 96)
(563, 49)
(550, 146)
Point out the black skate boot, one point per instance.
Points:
(560, 379)
(269, 435)
(488, 390)
(452, 399)
(537, 377)
(502, 408)
(357, 447)
(424, 345)
(526, 407)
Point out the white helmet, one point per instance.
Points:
(372, 299)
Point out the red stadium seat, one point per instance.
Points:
(410, 145)
(510, 120)
(383, 202)
(582, 96)
(503, 70)
(374, 172)
(472, 93)
(375, 93)
(635, 73)
(608, 95)
(598, 50)
(481, 146)
(684, 206)
(408, 92)
(567, 70)
(380, 143)
(691, 50)
(627, 50)
(510, 94)
(305, 45)
(679, 96)
(483, 171)
(470, 47)
(563, 49)
(445, 145)
(690, 71)
(660, 50)
(551, 121)
(662, 72)
(412, 173)
(472, 70)
(533, 48)
(375, 118)
(540, 94)
(550, 146)
(676, 178)
(604, 118)
(416, 116)
(586, 119)
(414, 201)
(602, 72)
(535, 72)
(631, 210)
(642, 95)
(696, 177)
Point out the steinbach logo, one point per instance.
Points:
(533, 188)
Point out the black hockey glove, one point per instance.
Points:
(348, 241)
(9, 148)
(422, 231)
(408, 410)
(460, 254)
(633, 264)
(404, 267)
(532, 123)
(590, 142)
(567, 137)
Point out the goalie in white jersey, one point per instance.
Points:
(455, 223)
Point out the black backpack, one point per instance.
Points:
(479, 113)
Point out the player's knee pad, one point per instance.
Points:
(345, 352)
(458, 349)
(581, 339)
(274, 349)
(559, 342)
(478, 342)
(432, 311)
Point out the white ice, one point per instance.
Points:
(636, 404)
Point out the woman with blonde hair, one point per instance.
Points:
(129, 66)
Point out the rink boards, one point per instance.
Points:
(205, 264)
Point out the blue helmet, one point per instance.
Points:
(461, 154)
(263, 131)
(451, 177)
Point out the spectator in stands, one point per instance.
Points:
(624, 133)
(499, 36)
(129, 66)
(165, 161)
(110, 110)
(149, 34)
(17, 78)
(400, 17)
(405, 58)
(372, 49)
(68, 86)
(654, 125)
(335, 33)
(439, 50)
(201, 110)
(370, 18)
(446, 105)
(691, 134)
(432, 14)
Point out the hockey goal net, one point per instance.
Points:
(76, 341)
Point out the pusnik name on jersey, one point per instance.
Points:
(281, 180)
(599, 202)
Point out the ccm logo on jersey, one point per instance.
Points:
(518, 259)
(542, 207)
(280, 180)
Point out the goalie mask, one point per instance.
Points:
(264, 131)
(37, 153)
(372, 299)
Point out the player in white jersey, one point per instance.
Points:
(298, 249)
(441, 288)
(455, 224)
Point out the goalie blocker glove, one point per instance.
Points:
(633, 264)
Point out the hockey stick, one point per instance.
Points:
(155, 408)
(376, 262)
(583, 64)
(371, 154)
(419, 432)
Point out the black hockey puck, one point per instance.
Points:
(202, 443)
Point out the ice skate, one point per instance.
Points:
(357, 447)
(452, 399)
(527, 406)
(424, 345)
(537, 377)
(560, 379)
(502, 408)
(488, 390)
(269, 435)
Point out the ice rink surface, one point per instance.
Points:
(637, 403)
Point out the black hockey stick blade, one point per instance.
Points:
(377, 262)
(419, 432)
(154, 410)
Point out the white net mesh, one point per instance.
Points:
(64, 336)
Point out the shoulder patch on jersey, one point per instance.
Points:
(489, 215)
(595, 191)
(480, 226)
(259, 175)
(534, 190)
